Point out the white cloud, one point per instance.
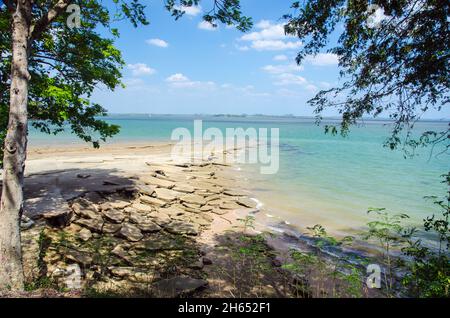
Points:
(270, 37)
(282, 68)
(322, 59)
(139, 69)
(179, 80)
(242, 47)
(191, 11)
(290, 79)
(157, 42)
(275, 45)
(204, 25)
(280, 57)
(178, 77)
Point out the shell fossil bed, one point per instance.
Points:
(137, 239)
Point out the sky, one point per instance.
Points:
(188, 67)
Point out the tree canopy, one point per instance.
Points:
(393, 56)
(67, 64)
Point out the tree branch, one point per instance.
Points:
(48, 18)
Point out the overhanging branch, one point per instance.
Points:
(48, 18)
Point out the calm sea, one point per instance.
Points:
(322, 179)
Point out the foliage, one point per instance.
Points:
(397, 67)
(428, 273)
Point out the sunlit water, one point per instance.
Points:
(322, 179)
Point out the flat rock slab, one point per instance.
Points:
(184, 188)
(142, 207)
(114, 216)
(146, 189)
(178, 286)
(248, 203)
(167, 195)
(152, 201)
(95, 225)
(178, 227)
(78, 257)
(234, 193)
(131, 232)
(158, 182)
(143, 222)
(193, 199)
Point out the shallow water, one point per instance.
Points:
(322, 179)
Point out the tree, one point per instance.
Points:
(394, 60)
(48, 73)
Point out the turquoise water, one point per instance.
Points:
(322, 179)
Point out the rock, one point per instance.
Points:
(277, 263)
(206, 208)
(206, 261)
(166, 194)
(144, 223)
(184, 188)
(57, 218)
(78, 257)
(178, 286)
(26, 223)
(193, 199)
(142, 207)
(200, 221)
(84, 235)
(229, 206)
(85, 208)
(92, 224)
(177, 227)
(172, 211)
(234, 193)
(160, 218)
(120, 252)
(248, 203)
(114, 216)
(158, 182)
(130, 232)
(197, 265)
(119, 204)
(110, 228)
(158, 245)
(215, 203)
(146, 189)
(152, 201)
(207, 217)
(131, 274)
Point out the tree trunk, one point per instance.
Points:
(11, 271)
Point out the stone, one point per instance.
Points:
(200, 221)
(160, 218)
(130, 232)
(114, 216)
(229, 206)
(78, 257)
(146, 189)
(215, 203)
(92, 224)
(84, 235)
(197, 265)
(206, 261)
(184, 188)
(142, 207)
(57, 218)
(119, 204)
(120, 252)
(193, 199)
(206, 208)
(110, 228)
(166, 194)
(152, 201)
(158, 182)
(26, 223)
(172, 211)
(144, 223)
(212, 197)
(157, 245)
(177, 286)
(132, 274)
(178, 227)
(234, 193)
(248, 203)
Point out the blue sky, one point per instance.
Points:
(187, 67)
